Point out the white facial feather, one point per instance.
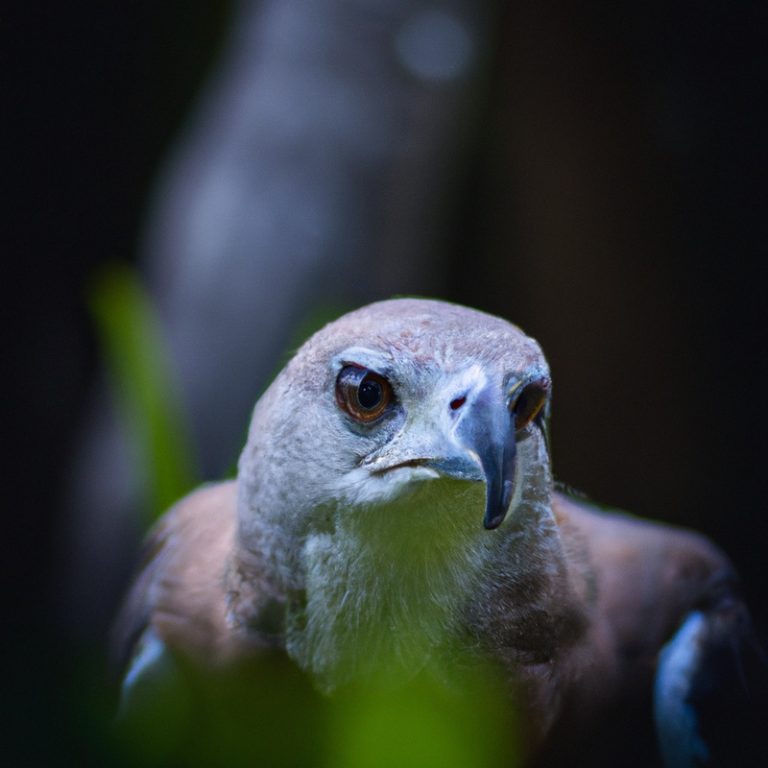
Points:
(386, 587)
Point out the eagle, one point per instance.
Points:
(394, 511)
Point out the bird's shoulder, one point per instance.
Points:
(180, 587)
(640, 577)
(633, 582)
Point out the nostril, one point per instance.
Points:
(457, 403)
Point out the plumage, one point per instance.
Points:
(395, 510)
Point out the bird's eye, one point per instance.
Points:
(530, 401)
(363, 394)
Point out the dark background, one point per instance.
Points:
(614, 207)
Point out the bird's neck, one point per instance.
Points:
(385, 586)
(386, 590)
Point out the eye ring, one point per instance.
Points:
(363, 394)
(528, 405)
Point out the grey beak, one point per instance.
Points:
(489, 432)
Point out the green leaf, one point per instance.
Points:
(142, 382)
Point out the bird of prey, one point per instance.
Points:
(395, 510)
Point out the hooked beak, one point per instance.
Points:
(488, 433)
(482, 447)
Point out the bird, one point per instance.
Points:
(395, 510)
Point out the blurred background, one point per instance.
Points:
(593, 172)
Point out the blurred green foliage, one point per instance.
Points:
(267, 713)
(425, 722)
(143, 385)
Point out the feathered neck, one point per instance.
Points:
(387, 590)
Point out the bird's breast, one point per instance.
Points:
(387, 585)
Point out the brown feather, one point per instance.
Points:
(180, 589)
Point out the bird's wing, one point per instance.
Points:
(666, 604)
(711, 691)
(179, 595)
(642, 578)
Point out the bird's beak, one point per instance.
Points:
(480, 445)
(487, 432)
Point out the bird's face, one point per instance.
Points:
(394, 396)
(403, 423)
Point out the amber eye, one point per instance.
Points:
(530, 401)
(363, 394)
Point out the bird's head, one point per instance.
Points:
(391, 397)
